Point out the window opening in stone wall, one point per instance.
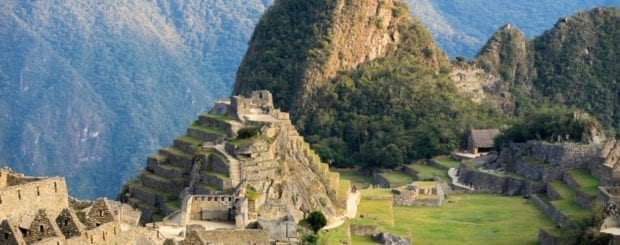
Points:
(41, 228)
(55, 187)
(38, 192)
(6, 236)
(19, 194)
(101, 213)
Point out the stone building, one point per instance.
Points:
(38, 210)
(481, 140)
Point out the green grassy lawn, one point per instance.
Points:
(397, 178)
(567, 205)
(339, 235)
(462, 219)
(376, 206)
(426, 172)
(472, 219)
(362, 240)
(588, 183)
(352, 175)
(447, 162)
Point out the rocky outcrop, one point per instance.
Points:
(508, 55)
(391, 239)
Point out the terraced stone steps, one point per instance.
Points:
(187, 143)
(234, 165)
(179, 158)
(155, 181)
(205, 133)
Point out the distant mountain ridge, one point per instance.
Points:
(89, 88)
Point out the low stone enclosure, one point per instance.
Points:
(38, 210)
(565, 180)
(419, 194)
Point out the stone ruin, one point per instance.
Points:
(38, 210)
(419, 194)
(213, 181)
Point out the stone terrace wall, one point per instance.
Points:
(555, 159)
(546, 238)
(486, 182)
(549, 210)
(49, 194)
(232, 237)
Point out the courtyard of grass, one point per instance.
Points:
(462, 219)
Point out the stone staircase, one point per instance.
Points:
(234, 165)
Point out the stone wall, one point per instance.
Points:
(548, 161)
(364, 230)
(486, 182)
(211, 207)
(381, 181)
(4, 173)
(549, 210)
(49, 194)
(225, 237)
(546, 238)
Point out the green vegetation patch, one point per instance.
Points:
(209, 130)
(189, 139)
(178, 152)
(339, 235)
(376, 207)
(221, 118)
(587, 183)
(397, 178)
(447, 162)
(426, 172)
(354, 176)
(173, 204)
(567, 204)
(239, 142)
(471, 219)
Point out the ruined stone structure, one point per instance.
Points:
(242, 165)
(419, 194)
(38, 210)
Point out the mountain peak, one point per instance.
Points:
(300, 45)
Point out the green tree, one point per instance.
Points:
(316, 220)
